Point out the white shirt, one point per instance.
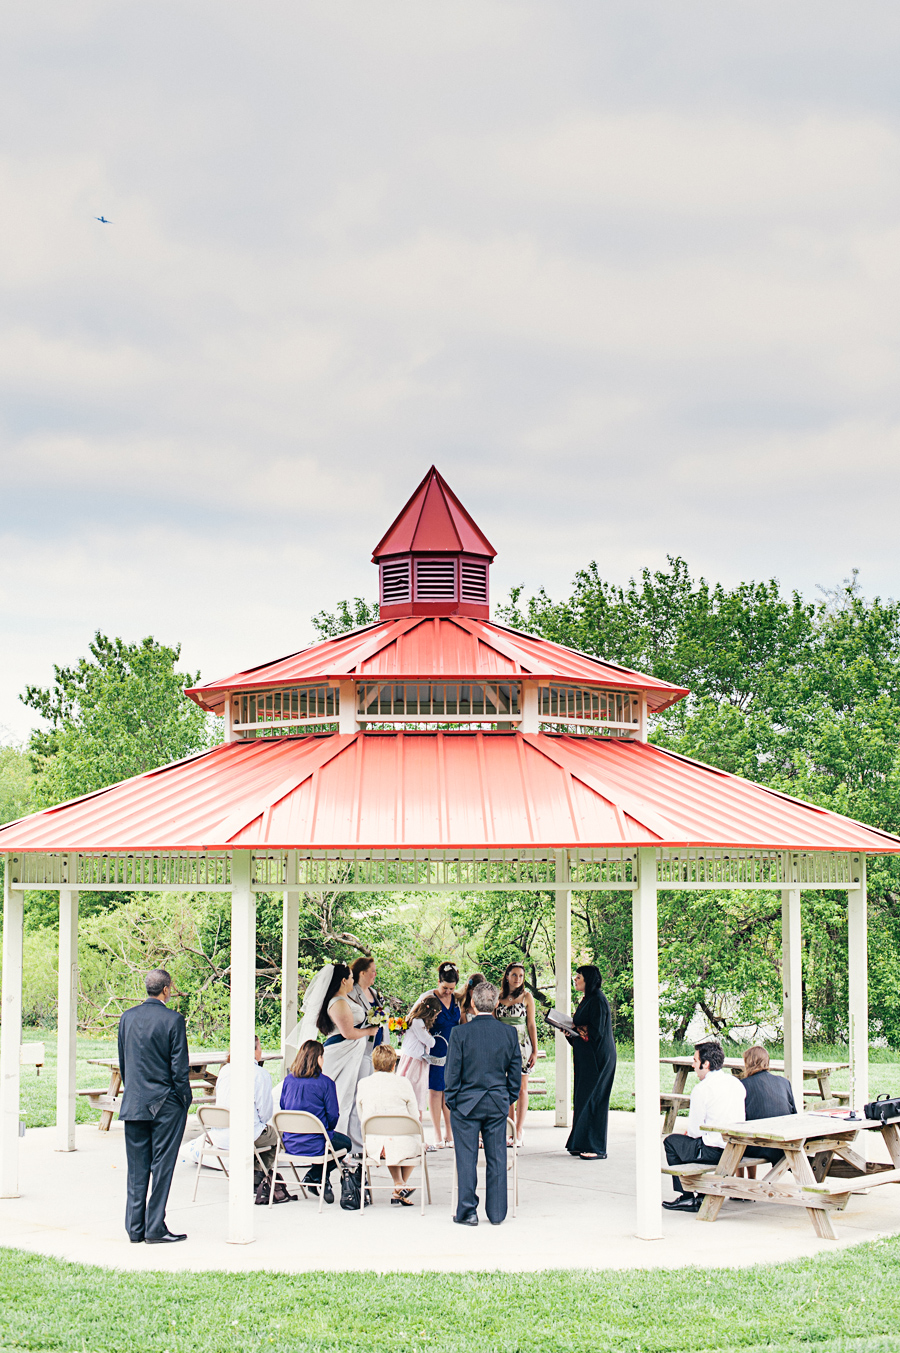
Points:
(417, 1041)
(262, 1101)
(718, 1098)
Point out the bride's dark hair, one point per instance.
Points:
(340, 974)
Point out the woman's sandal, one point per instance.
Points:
(400, 1199)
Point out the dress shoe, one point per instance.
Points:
(136, 1240)
(167, 1238)
(685, 1202)
(470, 1220)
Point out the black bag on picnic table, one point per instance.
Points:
(883, 1108)
(351, 1188)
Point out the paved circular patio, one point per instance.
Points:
(73, 1205)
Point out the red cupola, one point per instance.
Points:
(434, 560)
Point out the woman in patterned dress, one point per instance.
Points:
(516, 1007)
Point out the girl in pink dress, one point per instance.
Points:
(416, 1047)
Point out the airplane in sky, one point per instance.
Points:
(103, 219)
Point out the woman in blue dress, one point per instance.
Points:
(446, 1022)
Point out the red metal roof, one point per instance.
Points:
(439, 790)
(434, 521)
(434, 648)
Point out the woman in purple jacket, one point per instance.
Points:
(306, 1088)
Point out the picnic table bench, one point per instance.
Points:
(203, 1073)
(818, 1152)
(673, 1101)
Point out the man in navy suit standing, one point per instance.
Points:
(483, 1078)
(153, 1063)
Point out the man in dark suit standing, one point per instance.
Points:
(483, 1078)
(153, 1062)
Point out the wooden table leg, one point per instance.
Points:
(730, 1160)
(803, 1174)
(115, 1082)
(891, 1135)
(671, 1118)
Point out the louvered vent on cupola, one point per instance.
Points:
(434, 560)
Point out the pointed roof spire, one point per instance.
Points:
(434, 521)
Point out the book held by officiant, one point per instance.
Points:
(559, 1020)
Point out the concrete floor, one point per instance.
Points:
(572, 1213)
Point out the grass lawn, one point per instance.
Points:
(846, 1301)
(39, 1091)
(884, 1072)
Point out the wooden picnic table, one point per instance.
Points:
(821, 1072)
(818, 1152)
(202, 1073)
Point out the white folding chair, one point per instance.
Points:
(298, 1121)
(512, 1164)
(394, 1125)
(209, 1117)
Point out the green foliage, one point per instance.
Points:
(346, 616)
(16, 777)
(801, 696)
(116, 714)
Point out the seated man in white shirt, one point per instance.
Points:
(718, 1098)
(265, 1138)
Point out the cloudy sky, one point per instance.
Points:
(629, 273)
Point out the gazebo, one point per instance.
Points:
(458, 754)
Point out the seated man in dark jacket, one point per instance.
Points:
(765, 1096)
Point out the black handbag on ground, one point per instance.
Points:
(883, 1108)
(351, 1188)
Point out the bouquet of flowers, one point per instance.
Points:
(397, 1024)
(376, 1018)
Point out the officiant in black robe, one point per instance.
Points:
(594, 1056)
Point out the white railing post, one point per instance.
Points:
(792, 988)
(530, 721)
(858, 984)
(10, 1035)
(290, 947)
(243, 1030)
(348, 721)
(67, 1012)
(648, 1181)
(563, 963)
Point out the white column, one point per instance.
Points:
(347, 720)
(290, 946)
(646, 1049)
(229, 719)
(792, 989)
(643, 727)
(530, 721)
(563, 963)
(243, 1028)
(67, 1016)
(858, 964)
(10, 1035)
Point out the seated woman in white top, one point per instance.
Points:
(385, 1093)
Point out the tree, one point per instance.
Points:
(116, 714)
(16, 779)
(347, 616)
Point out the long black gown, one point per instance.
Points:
(595, 1068)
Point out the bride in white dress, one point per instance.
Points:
(328, 1009)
